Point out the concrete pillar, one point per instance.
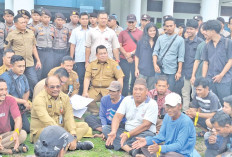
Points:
(143, 7)
(22, 4)
(115, 8)
(209, 9)
(9, 4)
(168, 6)
(135, 8)
(124, 12)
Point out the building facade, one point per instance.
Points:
(180, 9)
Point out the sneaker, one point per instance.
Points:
(87, 145)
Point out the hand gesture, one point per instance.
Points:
(110, 139)
(139, 143)
(153, 148)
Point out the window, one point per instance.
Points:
(154, 5)
(226, 10)
(183, 7)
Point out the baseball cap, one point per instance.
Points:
(51, 141)
(172, 99)
(198, 18)
(145, 17)
(112, 17)
(131, 17)
(114, 86)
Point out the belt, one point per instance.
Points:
(44, 48)
(100, 86)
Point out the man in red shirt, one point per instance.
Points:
(10, 141)
(128, 40)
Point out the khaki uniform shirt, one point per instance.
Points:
(3, 69)
(96, 37)
(22, 44)
(3, 34)
(61, 38)
(48, 111)
(102, 74)
(70, 27)
(44, 35)
(72, 80)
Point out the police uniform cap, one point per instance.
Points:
(24, 12)
(74, 12)
(166, 16)
(8, 11)
(198, 18)
(93, 15)
(46, 12)
(60, 15)
(35, 11)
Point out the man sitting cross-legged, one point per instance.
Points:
(141, 113)
(177, 132)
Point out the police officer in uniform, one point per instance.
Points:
(74, 17)
(61, 37)
(44, 33)
(9, 19)
(3, 34)
(26, 15)
(71, 87)
(35, 15)
(101, 72)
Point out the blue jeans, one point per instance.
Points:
(128, 70)
(107, 129)
(220, 89)
(1, 55)
(58, 56)
(32, 78)
(79, 68)
(174, 86)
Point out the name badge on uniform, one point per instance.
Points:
(2, 115)
(60, 119)
(94, 68)
(49, 106)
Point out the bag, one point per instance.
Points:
(160, 61)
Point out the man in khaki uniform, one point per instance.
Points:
(52, 107)
(71, 87)
(7, 54)
(101, 73)
(23, 42)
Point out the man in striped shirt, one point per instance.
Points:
(205, 103)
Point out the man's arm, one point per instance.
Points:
(136, 66)
(116, 121)
(195, 67)
(35, 53)
(226, 68)
(120, 80)
(116, 54)
(18, 123)
(87, 54)
(178, 73)
(205, 68)
(86, 87)
(72, 50)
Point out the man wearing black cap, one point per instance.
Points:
(74, 17)
(112, 23)
(3, 34)
(93, 20)
(128, 41)
(35, 15)
(61, 37)
(199, 19)
(9, 18)
(44, 33)
(145, 19)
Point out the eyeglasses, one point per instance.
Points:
(53, 87)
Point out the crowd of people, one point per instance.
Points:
(155, 86)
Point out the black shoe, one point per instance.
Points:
(87, 145)
(109, 147)
(134, 152)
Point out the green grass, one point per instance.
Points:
(99, 149)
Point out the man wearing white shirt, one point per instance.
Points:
(141, 113)
(77, 48)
